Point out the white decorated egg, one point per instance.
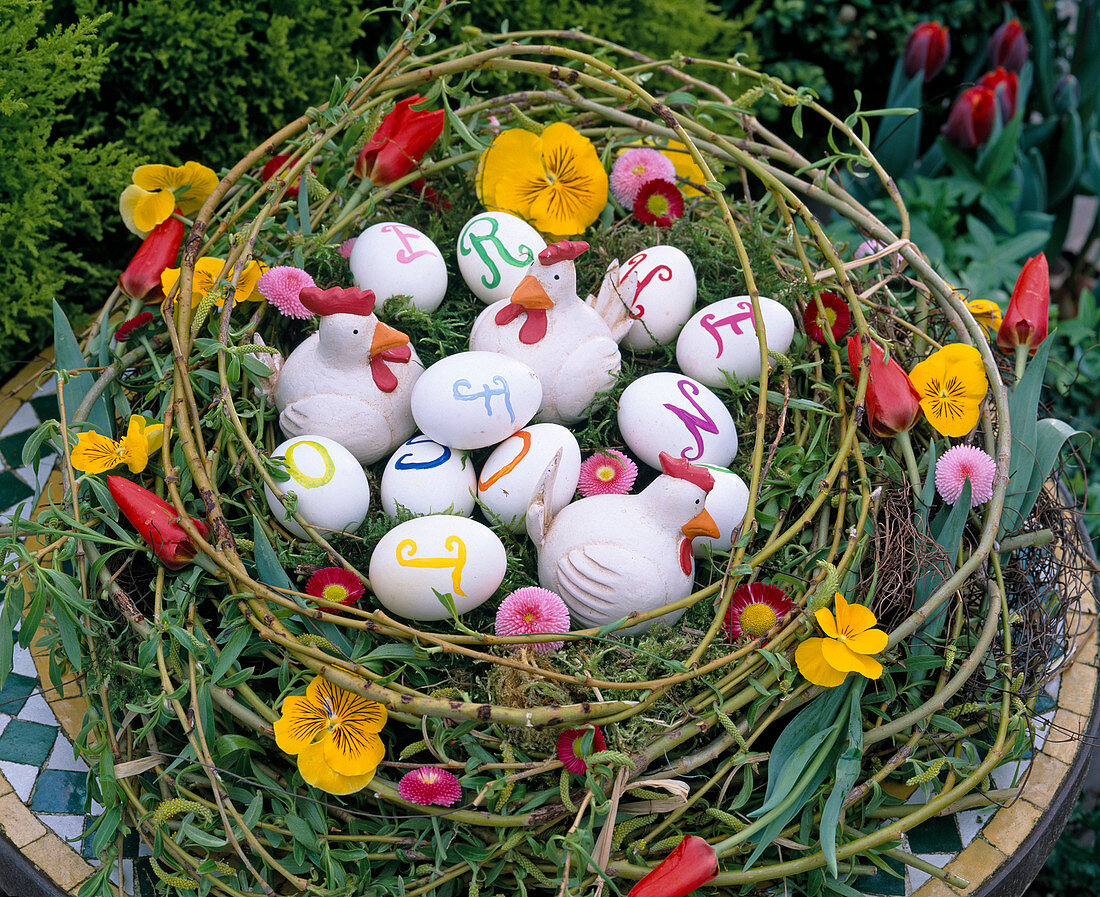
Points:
(495, 250)
(441, 553)
(511, 475)
(331, 487)
(721, 339)
(475, 399)
(425, 477)
(664, 298)
(394, 259)
(727, 503)
(668, 412)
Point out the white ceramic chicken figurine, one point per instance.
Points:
(610, 555)
(351, 380)
(571, 344)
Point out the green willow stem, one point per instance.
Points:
(906, 445)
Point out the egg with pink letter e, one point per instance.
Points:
(394, 259)
(664, 297)
(669, 412)
(721, 341)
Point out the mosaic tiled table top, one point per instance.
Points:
(44, 808)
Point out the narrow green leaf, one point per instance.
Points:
(848, 768)
(67, 357)
(270, 571)
(1023, 406)
(230, 653)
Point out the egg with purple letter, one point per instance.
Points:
(727, 503)
(664, 298)
(668, 412)
(721, 340)
(495, 250)
(511, 475)
(424, 477)
(330, 486)
(394, 259)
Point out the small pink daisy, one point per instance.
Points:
(430, 785)
(658, 202)
(281, 286)
(754, 610)
(335, 584)
(962, 463)
(608, 472)
(569, 748)
(635, 168)
(345, 248)
(530, 610)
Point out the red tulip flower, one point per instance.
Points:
(273, 165)
(970, 121)
(892, 402)
(141, 279)
(1008, 46)
(157, 522)
(926, 50)
(1005, 85)
(400, 142)
(692, 863)
(1025, 322)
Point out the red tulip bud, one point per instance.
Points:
(1008, 46)
(892, 402)
(400, 142)
(1005, 85)
(141, 279)
(692, 863)
(926, 50)
(1025, 322)
(157, 522)
(970, 121)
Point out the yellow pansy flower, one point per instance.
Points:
(157, 190)
(850, 639)
(952, 384)
(334, 733)
(986, 313)
(207, 272)
(96, 453)
(687, 171)
(554, 180)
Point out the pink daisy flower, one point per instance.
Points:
(335, 584)
(530, 610)
(569, 746)
(281, 286)
(608, 472)
(658, 202)
(635, 168)
(430, 785)
(345, 248)
(962, 463)
(754, 610)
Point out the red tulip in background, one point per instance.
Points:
(1008, 46)
(1025, 322)
(970, 121)
(1005, 85)
(141, 279)
(274, 164)
(157, 522)
(692, 863)
(400, 142)
(926, 50)
(892, 402)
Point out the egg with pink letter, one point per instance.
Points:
(512, 473)
(394, 259)
(664, 298)
(721, 340)
(424, 477)
(727, 503)
(495, 250)
(668, 412)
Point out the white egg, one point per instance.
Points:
(495, 250)
(721, 339)
(727, 503)
(664, 298)
(475, 399)
(511, 475)
(394, 259)
(331, 487)
(442, 553)
(425, 477)
(668, 412)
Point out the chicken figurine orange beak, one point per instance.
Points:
(530, 294)
(702, 524)
(386, 337)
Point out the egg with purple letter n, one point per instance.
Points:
(495, 250)
(721, 340)
(394, 259)
(664, 297)
(668, 412)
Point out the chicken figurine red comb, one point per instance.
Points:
(683, 469)
(338, 301)
(562, 251)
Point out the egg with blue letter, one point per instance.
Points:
(332, 491)
(424, 477)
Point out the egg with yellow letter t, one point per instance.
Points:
(440, 554)
(330, 487)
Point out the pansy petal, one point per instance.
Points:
(246, 285)
(127, 202)
(152, 209)
(194, 183)
(511, 172)
(347, 706)
(853, 619)
(814, 667)
(686, 168)
(352, 752)
(316, 772)
(303, 722)
(154, 437)
(825, 620)
(840, 657)
(870, 642)
(95, 453)
(154, 177)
